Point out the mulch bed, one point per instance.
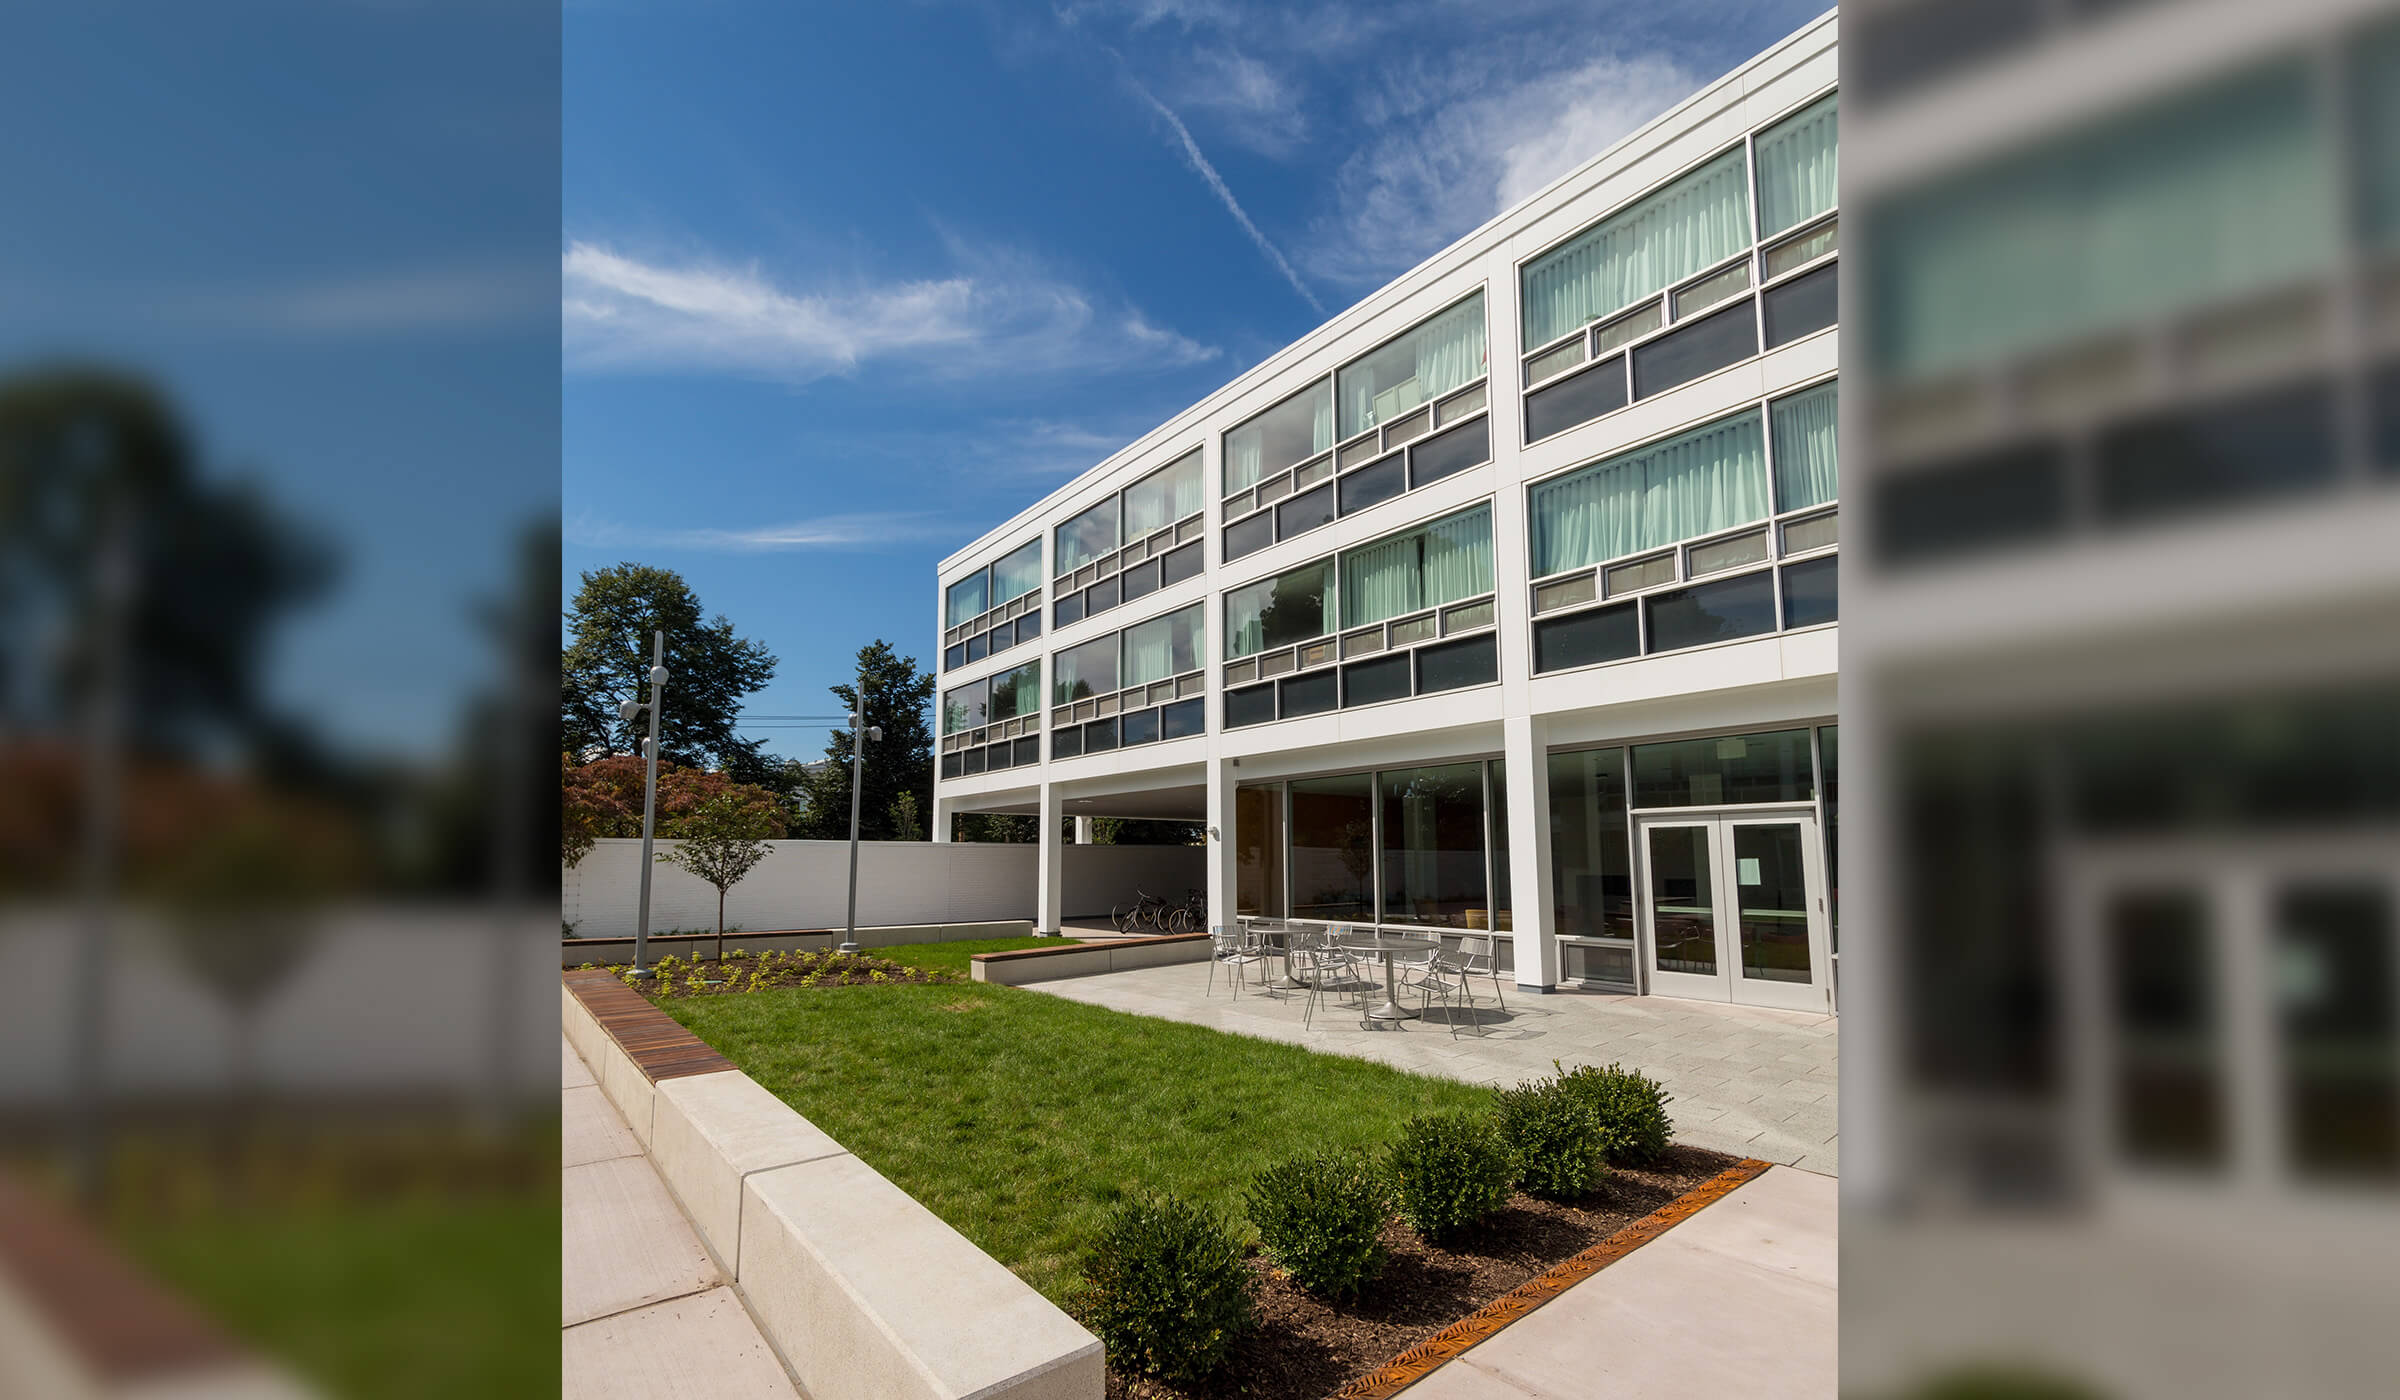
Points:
(752, 972)
(1307, 1349)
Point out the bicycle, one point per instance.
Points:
(1146, 911)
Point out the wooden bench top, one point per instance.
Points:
(656, 1043)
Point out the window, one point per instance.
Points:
(1258, 850)
(1711, 612)
(1016, 693)
(1292, 431)
(1081, 672)
(1804, 430)
(1333, 848)
(1700, 219)
(1439, 563)
(1809, 302)
(1810, 593)
(1277, 612)
(1586, 639)
(967, 600)
(1468, 445)
(1733, 769)
(1709, 479)
(1581, 399)
(1087, 536)
(1018, 573)
(1433, 846)
(1423, 364)
(1163, 497)
(1591, 856)
(1162, 647)
(1799, 166)
(1695, 348)
(963, 708)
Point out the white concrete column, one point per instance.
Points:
(1223, 870)
(1051, 883)
(943, 811)
(1525, 750)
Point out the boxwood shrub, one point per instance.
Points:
(1166, 1289)
(1632, 1108)
(1321, 1218)
(1561, 1144)
(1449, 1171)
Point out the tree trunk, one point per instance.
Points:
(720, 928)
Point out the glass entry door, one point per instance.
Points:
(1733, 909)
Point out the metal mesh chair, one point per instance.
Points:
(1445, 981)
(1333, 970)
(1479, 956)
(1234, 947)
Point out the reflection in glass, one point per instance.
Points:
(2170, 1104)
(1086, 537)
(1433, 854)
(1771, 891)
(1258, 850)
(2340, 1029)
(1333, 848)
(1591, 856)
(1733, 768)
(1292, 431)
(1683, 900)
(1276, 612)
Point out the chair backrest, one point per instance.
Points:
(1475, 949)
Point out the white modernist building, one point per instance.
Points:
(1503, 602)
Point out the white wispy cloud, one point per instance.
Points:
(998, 314)
(823, 532)
(1449, 149)
(1216, 182)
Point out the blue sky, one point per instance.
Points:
(846, 284)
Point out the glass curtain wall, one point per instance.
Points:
(1807, 465)
(1163, 497)
(1591, 861)
(1018, 573)
(1258, 850)
(1087, 536)
(1333, 848)
(1404, 846)
(1081, 672)
(1434, 853)
(1799, 170)
(1426, 363)
(968, 598)
(1723, 771)
(1442, 563)
(1016, 693)
(1291, 607)
(1162, 647)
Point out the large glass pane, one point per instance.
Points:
(2197, 199)
(1711, 612)
(2170, 1106)
(1277, 612)
(1700, 219)
(1711, 478)
(1258, 850)
(1086, 537)
(1683, 918)
(967, 598)
(1696, 348)
(1807, 466)
(1735, 768)
(2340, 1029)
(1333, 848)
(1502, 916)
(1440, 563)
(1433, 856)
(1591, 856)
(1771, 888)
(1799, 166)
(963, 708)
(1017, 693)
(1163, 497)
(1289, 433)
(1081, 672)
(1018, 573)
(1423, 364)
(1163, 647)
(1829, 774)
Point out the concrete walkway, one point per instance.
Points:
(647, 1313)
(1737, 1300)
(1746, 1080)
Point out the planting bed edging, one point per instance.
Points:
(864, 1291)
(1024, 965)
(575, 952)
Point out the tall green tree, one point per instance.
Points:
(607, 660)
(900, 702)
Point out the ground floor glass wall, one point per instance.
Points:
(1403, 846)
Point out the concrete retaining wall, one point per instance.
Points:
(805, 884)
(1016, 969)
(865, 1292)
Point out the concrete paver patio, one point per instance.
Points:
(1746, 1080)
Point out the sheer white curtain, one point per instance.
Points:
(1798, 170)
(1163, 497)
(1807, 469)
(1701, 218)
(1017, 574)
(1711, 478)
(1382, 580)
(1162, 647)
(1458, 557)
(1426, 363)
(1017, 692)
(966, 599)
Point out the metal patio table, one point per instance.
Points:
(1280, 931)
(1389, 945)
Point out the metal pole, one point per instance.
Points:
(641, 928)
(858, 776)
(103, 777)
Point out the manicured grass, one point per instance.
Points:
(395, 1298)
(954, 957)
(1021, 1118)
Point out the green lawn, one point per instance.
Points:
(1020, 1118)
(953, 957)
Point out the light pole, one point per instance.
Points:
(860, 733)
(626, 710)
